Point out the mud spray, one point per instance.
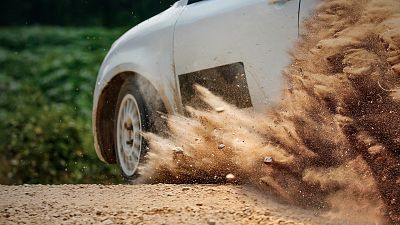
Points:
(333, 142)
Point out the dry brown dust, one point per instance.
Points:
(333, 141)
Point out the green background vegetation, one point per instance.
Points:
(47, 78)
(110, 13)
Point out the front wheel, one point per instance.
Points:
(129, 122)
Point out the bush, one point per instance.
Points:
(47, 77)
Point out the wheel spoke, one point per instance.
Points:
(135, 152)
(130, 106)
(126, 110)
(127, 161)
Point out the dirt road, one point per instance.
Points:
(146, 204)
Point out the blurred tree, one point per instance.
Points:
(79, 12)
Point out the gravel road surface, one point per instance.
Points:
(146, 204)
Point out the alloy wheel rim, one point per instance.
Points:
(129, 138)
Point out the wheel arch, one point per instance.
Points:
(105, 106)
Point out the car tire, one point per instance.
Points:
(129, 122)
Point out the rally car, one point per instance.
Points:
(235, 48)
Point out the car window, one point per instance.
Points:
(194, 1)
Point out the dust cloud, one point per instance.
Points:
(333, 141)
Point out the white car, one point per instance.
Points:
(235, 48)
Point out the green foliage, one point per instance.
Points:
(79, 12)
(47, 76)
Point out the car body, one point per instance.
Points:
(243, 42)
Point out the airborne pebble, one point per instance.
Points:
(219, 109)
(230, 177)
(177, 150)
(268, 160)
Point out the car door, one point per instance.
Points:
(248, 38)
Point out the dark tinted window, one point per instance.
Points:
(193, 1)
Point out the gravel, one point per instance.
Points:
(146, 204)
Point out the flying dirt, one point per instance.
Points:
(333, 140)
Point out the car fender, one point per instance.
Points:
(146, 50)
